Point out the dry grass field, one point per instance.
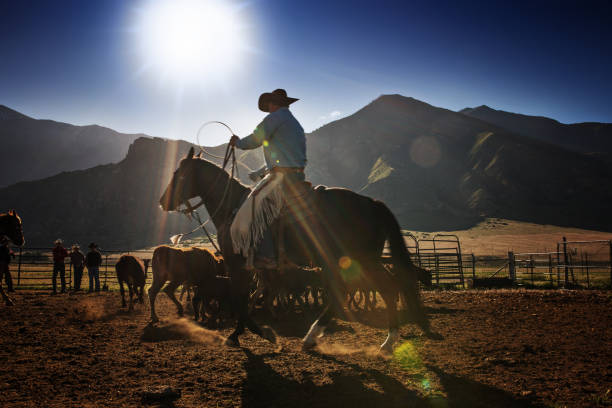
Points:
(496, 236)
(497, 348)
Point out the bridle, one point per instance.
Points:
(190, 210)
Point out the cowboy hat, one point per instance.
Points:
(92, 245)
(278, 97)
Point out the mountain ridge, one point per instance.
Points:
(435, 168)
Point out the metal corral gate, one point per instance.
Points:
(442, 256)
(33, 268)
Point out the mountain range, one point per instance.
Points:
(436, 169)
(445, 170)
(589, 137)
(33, 149)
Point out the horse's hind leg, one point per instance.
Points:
(390, 298)
(153, 291)
(169, 290)
(122, 291)
(387, 286)
(131, 288)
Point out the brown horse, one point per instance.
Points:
(133, 272)
(180, 267)
(346, 239)
(10, 226)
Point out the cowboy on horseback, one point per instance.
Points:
(284, 147)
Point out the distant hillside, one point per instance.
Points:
(34, 149)
(440, 170)
(436, 169)
(116, 205)
(591, 138)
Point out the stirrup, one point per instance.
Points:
(266, 263)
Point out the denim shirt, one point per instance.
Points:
(282, 138)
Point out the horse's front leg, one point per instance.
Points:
(332, 309)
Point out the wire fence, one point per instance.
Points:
(33, 269)
(576, 264)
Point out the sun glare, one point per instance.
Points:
(190, 40)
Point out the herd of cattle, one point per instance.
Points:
(202, 272)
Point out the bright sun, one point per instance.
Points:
(187, 40)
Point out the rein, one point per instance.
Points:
(230, 154)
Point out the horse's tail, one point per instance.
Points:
(403, 268)
(399, 254)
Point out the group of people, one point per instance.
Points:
(92, 260)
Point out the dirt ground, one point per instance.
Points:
(513, 348)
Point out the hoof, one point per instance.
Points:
(308, 346)
(155, 319)
(268, 334)
(386, 350)
(232, 343)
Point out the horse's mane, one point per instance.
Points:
(205, 162)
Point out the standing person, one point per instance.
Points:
(5, 259)
(93, 260)
(78, 261)
(59, 254)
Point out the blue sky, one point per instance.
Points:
(83, 62)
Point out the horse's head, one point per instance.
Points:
(183, 185)
(12, 227)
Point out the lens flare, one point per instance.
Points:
(407, 356)
(425, 151)
(350, 269)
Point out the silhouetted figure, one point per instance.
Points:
(78, 263)
(93, 260)
(284, 149)
(5, 259)
(59, 254)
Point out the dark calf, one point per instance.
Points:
(210, 290)
(133, 272)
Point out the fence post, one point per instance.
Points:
(565, 262)
(550, 270)
(610, 266)
(105, 286)
(437, 263)
(473, 267)
(19, 269)
(511, 266)
(531, 267)
(586, 264)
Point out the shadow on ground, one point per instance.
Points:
(355, 386)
